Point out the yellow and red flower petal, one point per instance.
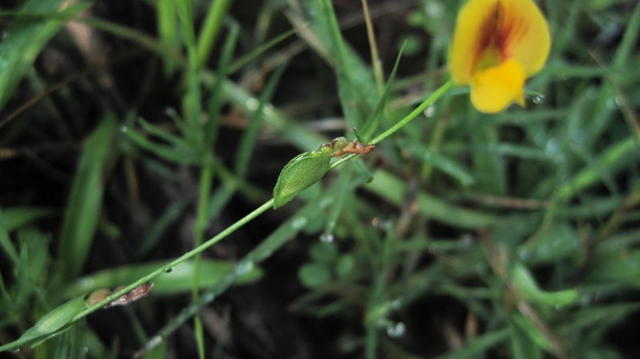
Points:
(526, 34)
(467, 37)
(488, 32)
(495, 88)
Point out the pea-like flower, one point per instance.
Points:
(497, 45)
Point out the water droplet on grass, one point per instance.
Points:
(538, 99)
(327, 237)
(466, 240)
(252, 104)
(244, 267)
(434, 9)
(168, 270)
(430, 111)
(298, 223)
(396, 330)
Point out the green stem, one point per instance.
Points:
(404, 121)
(169, 266)
(210, 28)
(281, 236)
(206, 176)
(238, 224)
(413, 114)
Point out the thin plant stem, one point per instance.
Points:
(211, 28)
(375, 58)
(404, 121)
(413, 114)
(270, 244)
(235, 226)
(206, 176)
(262, 251)
(169, 266)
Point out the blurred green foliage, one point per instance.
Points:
(461, 236)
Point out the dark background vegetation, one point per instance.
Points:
(461, 236)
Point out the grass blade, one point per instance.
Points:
(25, 39)
(82, 213)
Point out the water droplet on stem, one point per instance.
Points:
(396, 330)
(327, 237)
(538, 99)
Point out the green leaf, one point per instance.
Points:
(166, 18)
(6, 245)
(26, 37)
(85, 200)
(443, 163)
(559, 242)
(49, 323)
(178, 280)
(621, 267)
(13, 218)
(531, 292)
(159, 226)
(530, 340)
(301, 172)
(345, 265)
(250, 135)
(609, 162)
(323, 252)
(314, 275)
(477, 346)
(392, 188)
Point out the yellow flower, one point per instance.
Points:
(497, 45)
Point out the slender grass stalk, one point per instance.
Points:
(404, 121)
(262, 251)
(240, 223)
(413, 114)
(373, 46)
(169, 266)
(206, 177)
(162, 269)
(211, 28)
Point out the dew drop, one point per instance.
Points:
(538, 99)
(170, 111)
(298, 223)
(327, 237)
(396, 330)
(434, 9)
(325, 202)
(168, 270)
(618, 101)
(124, 129)
(252, 104)
(523, 254)
(466, 240)
(244, 267)
(430, 111)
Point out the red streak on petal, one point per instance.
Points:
(511, 28)
(488, 30)
(500, 28)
